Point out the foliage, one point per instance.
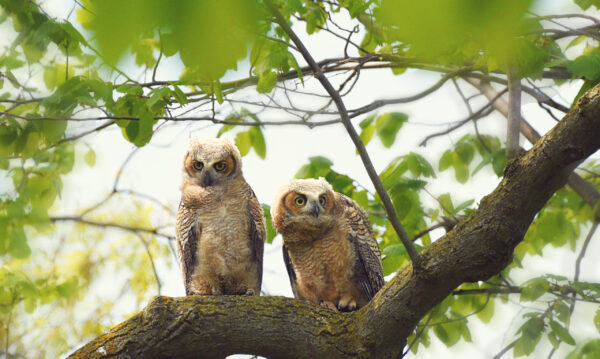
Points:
(62, 80)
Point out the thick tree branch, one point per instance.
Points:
(478, 248)
(360, 147)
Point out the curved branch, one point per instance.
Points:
(360, 147)
(478, 248)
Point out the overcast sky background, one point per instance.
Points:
(156, 169)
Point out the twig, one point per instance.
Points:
(160, 54)
(385, 198)
(85, 133)
(578, 261)
(147, 247)
(418, 335)
(582, 187)
(380, 103)
(514, 113)
(153, 231)
(482, 112)
(505, 350)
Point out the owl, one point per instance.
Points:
(220, 225)
(331, 255)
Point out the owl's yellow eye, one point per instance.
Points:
(220, 166)
(300, 201)
(197, 165)
(322, 201)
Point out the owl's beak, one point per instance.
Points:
(315, 210)
(207, 179)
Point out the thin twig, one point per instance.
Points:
(385, 198)
(505, 350)
(578, 271)
(419, 333)
(153, 231)
(582, 187)
(514, 113)
(147, 247)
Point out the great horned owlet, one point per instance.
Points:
(329, 250)
(220, 225)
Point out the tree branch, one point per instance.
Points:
(153, 231)
(583, 188)
(514, 113)
(364, 156)
(478, 248)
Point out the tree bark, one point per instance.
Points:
(275, 327)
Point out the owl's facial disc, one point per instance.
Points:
(309, 206)
(206, 172)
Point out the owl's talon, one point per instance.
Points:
(328, 305)
(346, 305)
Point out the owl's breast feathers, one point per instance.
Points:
(221, 235)
(344, 260)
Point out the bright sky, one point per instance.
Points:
(156, 169)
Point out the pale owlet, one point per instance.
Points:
(220, 225)
(329, 250)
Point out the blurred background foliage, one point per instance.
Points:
(61, 80)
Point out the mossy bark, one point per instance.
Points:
(275, 327)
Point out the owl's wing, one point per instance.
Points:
(188, 234)
(290, 269)
(368, 268)
(256, 230)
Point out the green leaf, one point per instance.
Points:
(462, 206)
(584, 4)
(388, 126)
(486, 314)
(597, 319)
(179, 95)
(318, 166)
(366, 122)
(461, 172)
(531, 332)
(447, 333)
(445, 161)
(533, 289)
(53, 130)
(499, 162)
(553, 340)
(130, 89)
(561, 332)
(258, 141)
(159, 94)
(563, 313)
(465, 152)
(367, 134)
(217, 91)
(446, 204)
(90, 157)
(271, 233)
(361, 197)
(267, 82)
(394, 250)
(243, 142)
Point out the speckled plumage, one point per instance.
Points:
(220, 225)
(331, 255)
